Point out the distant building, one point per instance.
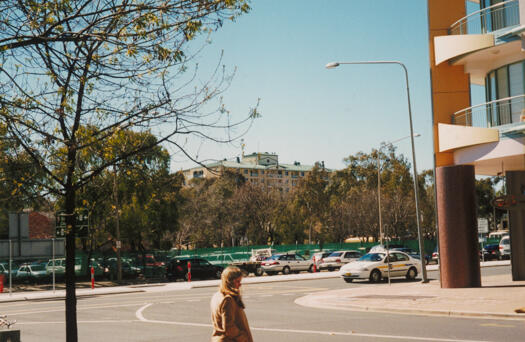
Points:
(258, 168)
(41, 225)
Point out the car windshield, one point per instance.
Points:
(372, 257)
(335, 254)
(274, 257)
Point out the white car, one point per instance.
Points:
(504, 248)
(374, 267)
(337, 259)
(286, 263)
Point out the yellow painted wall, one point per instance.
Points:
(450, 84)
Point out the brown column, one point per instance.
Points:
(516, 186)
(458, 228)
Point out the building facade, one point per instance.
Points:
(262, 169)
(476, 42)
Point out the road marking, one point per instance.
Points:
(140, 316)
(80, 322)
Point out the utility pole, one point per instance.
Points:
(117, 218)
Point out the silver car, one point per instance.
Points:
(337, 259)
(286, 263)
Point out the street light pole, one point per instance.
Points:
(416, 192)
(379, 198)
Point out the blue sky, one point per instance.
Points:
(310, 113)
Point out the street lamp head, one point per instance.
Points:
(332, 65)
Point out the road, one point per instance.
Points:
(184, 316)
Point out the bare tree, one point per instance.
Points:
(74, 75)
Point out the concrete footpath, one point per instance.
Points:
(498, 297)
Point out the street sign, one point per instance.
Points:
(483, 225)
(82, 223)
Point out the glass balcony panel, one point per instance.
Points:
(501, 112)
(495, 17)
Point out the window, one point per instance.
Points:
(286, 173)
(401, 257)
(245, 172)
(302, 174)
(507, 81)
(198, 174)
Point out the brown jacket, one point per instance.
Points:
(229, 320)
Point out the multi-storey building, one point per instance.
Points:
(258, 168)
(476, 42)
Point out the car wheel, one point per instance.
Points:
(348, 280)
(375, 276)
(286, 270)
(330, 269)
(412, 273)
(218, 274)
(311, 269)
(258, 272)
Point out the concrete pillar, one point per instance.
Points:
(516, 186)
(458, 231)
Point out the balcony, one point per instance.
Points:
(490, 19)
(506, 111)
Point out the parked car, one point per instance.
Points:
(60, 267)
(32, 273)
(319, 257)
(490, 252)
(412, 253)
(261, 254)
(339, 258)
(435, 256)
(200, 268)
(504, 248)
(286, 263)
(374, 267)
(128, 270)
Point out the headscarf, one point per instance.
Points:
(227, 287)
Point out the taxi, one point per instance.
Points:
(374, 267)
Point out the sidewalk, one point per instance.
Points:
(498, 297)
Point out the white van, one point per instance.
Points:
(497, 235)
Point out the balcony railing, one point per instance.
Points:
(493, 18)
(494, 113)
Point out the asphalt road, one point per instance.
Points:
(185, 316)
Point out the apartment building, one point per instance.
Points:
(476, 43)
(263, 169)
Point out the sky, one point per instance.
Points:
(310, 113)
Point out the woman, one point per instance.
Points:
(227, 310)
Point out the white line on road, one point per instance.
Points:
(140, 316)
(80, 322)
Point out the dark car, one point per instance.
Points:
(128, 270)
(491, 252)
(200, 269)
